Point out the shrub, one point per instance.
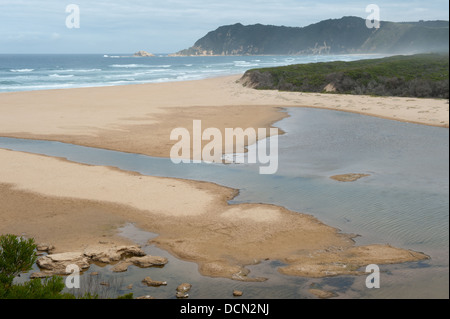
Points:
(421, 75)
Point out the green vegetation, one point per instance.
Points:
(18, 255)
(346, 35)
(421, 75)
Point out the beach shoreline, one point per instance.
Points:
(56, 196)
(139, 118)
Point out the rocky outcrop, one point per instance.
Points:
(43, 247)
(322, 294)
(143, 54)
(56, 264)
(349, 177)
(153, 283)
(141, 262)
(182, 290)
(148, 261)
(112, 254)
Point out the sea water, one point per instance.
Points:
(404, 202)
(26, 72)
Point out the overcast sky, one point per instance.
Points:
(126, 26)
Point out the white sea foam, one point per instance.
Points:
(61, 76)
(245, 63)
(139, 66)
(126, 66)
(81, 70)
(21, 70)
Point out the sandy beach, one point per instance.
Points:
(72, 206)
(139, 118)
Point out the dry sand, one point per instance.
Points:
(72, 205)
(139, 118)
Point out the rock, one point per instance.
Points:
(148, 261)
(182, 295)
(330, 88)
(238, 293)
(322, 294)
(104, 283)
(145, 297)
(141, 54)
(182, 290)
(348, 177)
(45, 248)
(121, 267)
(112, 254)
(41, 274)
(58, 263)
(152, 283)
(130, 286)
(184, 287)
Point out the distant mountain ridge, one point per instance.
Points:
(334, 36)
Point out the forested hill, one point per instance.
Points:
(334, 36)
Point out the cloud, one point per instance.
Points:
(171, 25)
(55, 36)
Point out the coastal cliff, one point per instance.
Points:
(334, 36)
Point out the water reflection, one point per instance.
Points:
(404, 202)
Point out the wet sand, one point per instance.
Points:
(72, 206)
(139, 118)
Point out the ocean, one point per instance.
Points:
(26, 72)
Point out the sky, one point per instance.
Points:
(127, 26)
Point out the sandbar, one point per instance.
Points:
(140, 118)
(73, 206)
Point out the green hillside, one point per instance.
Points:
(422, 75)
(332, 36)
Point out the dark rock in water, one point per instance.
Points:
(148, 261)
(143, 54)
(322, 294)
(153, 283)
(348, 177)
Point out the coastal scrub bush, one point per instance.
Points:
(17, 255)
(421, 75)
